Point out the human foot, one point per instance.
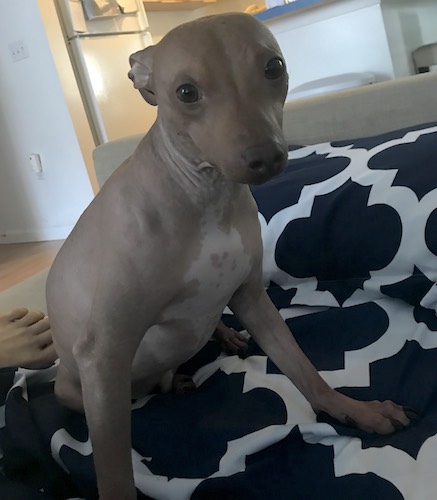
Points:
(26, 340)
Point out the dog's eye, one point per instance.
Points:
(275, 68)
(187, 93)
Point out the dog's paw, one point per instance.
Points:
(231, 341)
(182, 384)
(380, 417)
(377, 417)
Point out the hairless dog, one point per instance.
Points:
(173, 237)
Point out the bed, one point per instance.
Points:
(350, 260)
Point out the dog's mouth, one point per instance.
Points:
(260, 177)
(254, 178)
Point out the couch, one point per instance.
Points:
(350, 260)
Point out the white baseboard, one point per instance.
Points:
(40, 234)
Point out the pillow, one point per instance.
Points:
(353, 221)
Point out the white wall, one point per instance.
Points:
(409, 25)
(34, 118)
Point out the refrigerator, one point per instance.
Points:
(100, 37)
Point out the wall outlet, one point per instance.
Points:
(18, 50)
(35, 162)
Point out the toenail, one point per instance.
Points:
(411, 414)
(399, 426)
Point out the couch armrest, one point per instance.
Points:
(363, 111)
(107, 157)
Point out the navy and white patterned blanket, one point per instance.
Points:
(350, 236)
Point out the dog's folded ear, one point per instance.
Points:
(141, 73)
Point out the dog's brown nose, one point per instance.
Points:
(269, 158)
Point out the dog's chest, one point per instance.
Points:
(221, 259)
(223, 263)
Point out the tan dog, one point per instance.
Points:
(173, 237)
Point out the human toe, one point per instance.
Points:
(14, 315)
(31, 318)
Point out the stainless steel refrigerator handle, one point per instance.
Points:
(107, 33)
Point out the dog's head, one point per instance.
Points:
(220, 84)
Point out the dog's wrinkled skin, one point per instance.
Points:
(173, 237)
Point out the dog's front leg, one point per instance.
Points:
(105, 363)
(262, 320)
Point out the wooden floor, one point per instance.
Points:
(19, 261)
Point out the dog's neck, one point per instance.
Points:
(200, 181)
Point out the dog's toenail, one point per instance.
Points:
(399, 426)
(411, 414)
